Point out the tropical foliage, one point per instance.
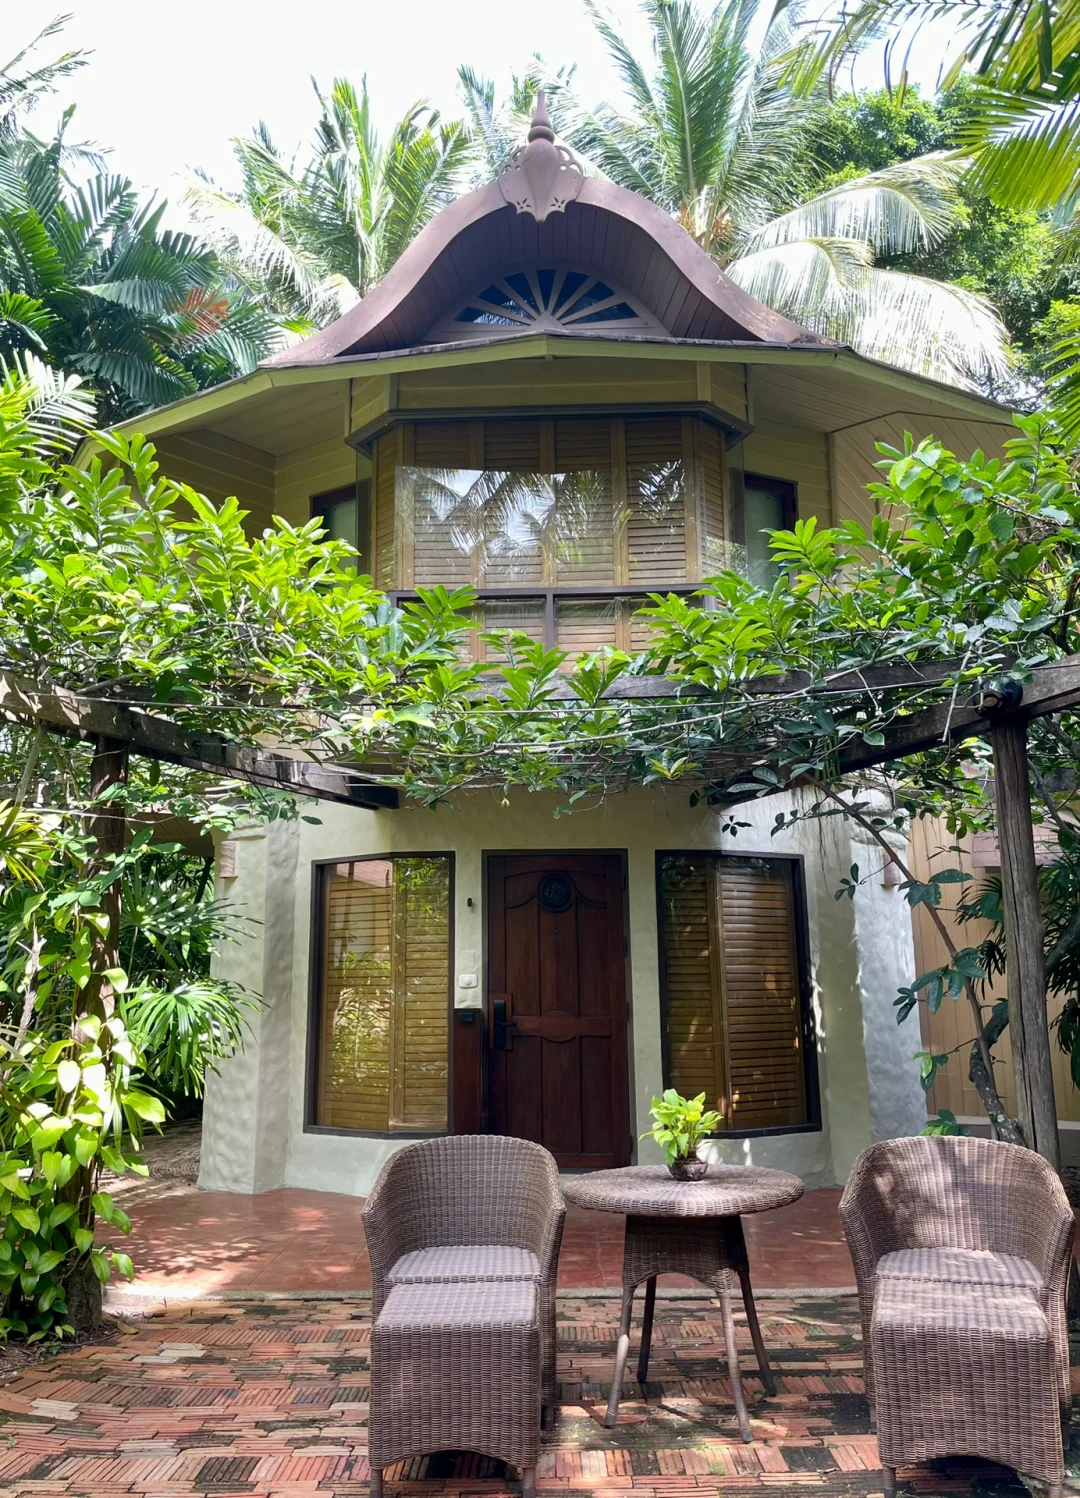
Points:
(710, 130)
(24, 83)
(308, 238)
(1007, 255)
(92, 282)
(70, 1103)
(1023, 135)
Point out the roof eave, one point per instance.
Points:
(191, 408)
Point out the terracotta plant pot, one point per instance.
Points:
(689, 1170)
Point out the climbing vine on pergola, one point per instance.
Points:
(140, 616)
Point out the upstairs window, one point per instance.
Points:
(566, 503)
(563, 524)
(548, 297)
(761, 505)
(345, 516)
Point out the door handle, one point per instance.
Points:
(502, 1026)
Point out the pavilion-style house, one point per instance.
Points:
(556, 397)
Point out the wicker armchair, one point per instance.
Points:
(961, 1249)
(469, 1207)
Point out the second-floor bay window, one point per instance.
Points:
(562, 524)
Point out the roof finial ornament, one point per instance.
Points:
(541, 177)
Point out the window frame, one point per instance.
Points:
(318, 866)
(807, 1026)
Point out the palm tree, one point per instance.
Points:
(309, 238)
(498, 127)
(23, 87)
(711, 131)
(1025, 139)
(91, 282)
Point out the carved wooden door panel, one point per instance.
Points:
(557, 1071)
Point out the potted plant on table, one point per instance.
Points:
(679, 1126)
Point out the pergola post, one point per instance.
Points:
(1029, 1034)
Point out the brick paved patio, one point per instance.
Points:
(270, 1400)
(190, 1243)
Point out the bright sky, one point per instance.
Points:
(167, 86)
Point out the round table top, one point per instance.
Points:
(651, 1191)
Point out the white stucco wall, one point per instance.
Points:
(254, 1136)
(885, 944)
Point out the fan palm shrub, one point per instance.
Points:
(308, 237)
(91, 281)
(709, 129)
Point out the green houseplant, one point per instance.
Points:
(679, 1126)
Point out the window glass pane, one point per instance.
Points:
(764, 511)
(583, 625)
(517, 615)
(656, 524)
(340, 521)
(731, 986)
(620, 312)
(500, 528)
(384, 1010)
(519, 282)
(344, 515)
(476, 314)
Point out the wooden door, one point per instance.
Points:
(557, 1067)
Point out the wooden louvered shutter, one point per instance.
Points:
(384, 1000)
(515, 446)
(761, 993)
(586, 551)
(692, 980)
(731, 985)
(431, 512)
(419, 1042)
(442, 444)
(583, 625)
(656, 481)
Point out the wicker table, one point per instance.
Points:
(686, 1227)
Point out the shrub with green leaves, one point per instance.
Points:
(67, 1108)
(71, 1101)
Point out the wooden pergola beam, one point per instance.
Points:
(788, 683)
(147, 734)
(1052, 689)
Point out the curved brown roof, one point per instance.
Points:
(590, 223)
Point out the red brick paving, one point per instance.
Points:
(270, 1400)
(193, 1243)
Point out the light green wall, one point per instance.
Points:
(250, 1110)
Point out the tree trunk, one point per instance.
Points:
(1025, 970)
(84, 1298)
(107, 826)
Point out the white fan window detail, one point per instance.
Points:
(545, 297)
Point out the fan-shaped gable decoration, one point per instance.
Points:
(480, 269)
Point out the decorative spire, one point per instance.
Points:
(541, 177)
